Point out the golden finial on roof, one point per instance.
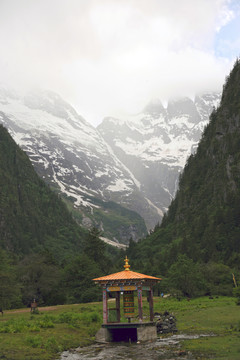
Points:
(126, 266)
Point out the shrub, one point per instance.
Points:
(34, 341)
(52, 345)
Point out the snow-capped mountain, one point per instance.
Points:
(155, 144)
(70, 154)
(134, 162)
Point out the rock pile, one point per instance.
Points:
(165, 323)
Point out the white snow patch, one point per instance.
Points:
(136, 182)
(113, 243)
(119, 185)
(101, 173)
(155, 207)
(77, 169)
(181, 121)
(80, 200)
(43, 121)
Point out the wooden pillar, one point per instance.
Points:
(140, 311)
(151, 304)
(105, 306)
(118, 305)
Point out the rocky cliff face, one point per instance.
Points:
(155, 144)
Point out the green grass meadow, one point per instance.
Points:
(43, 336)
(218, 317)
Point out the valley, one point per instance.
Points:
(120, 149)
(133, 163)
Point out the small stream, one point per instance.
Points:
(162, 348)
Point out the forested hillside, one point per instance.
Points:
(44, 254)
(32, 217)
(200, 234)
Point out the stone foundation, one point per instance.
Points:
(127, 332)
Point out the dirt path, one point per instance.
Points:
(44, 308)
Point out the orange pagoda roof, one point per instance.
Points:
(126, 275)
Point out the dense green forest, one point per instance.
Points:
(44, 254)
(197, 247)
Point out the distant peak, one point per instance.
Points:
(155, 106)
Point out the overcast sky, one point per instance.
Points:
(110, 57)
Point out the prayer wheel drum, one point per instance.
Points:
(128, 304)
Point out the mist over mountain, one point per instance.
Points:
(71, 156)
(119, 176)
(155, 144)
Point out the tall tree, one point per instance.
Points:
(184, 276)
(95, 249)
(41, 280)
(78, 275)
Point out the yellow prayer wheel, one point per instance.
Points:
(128, 304)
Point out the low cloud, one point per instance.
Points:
(110, 56)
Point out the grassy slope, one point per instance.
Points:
(219, 316)
(41, 337)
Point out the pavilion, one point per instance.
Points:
(126, 282)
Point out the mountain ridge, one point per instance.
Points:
(155, 144)
(69, 155)
(84, 166)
